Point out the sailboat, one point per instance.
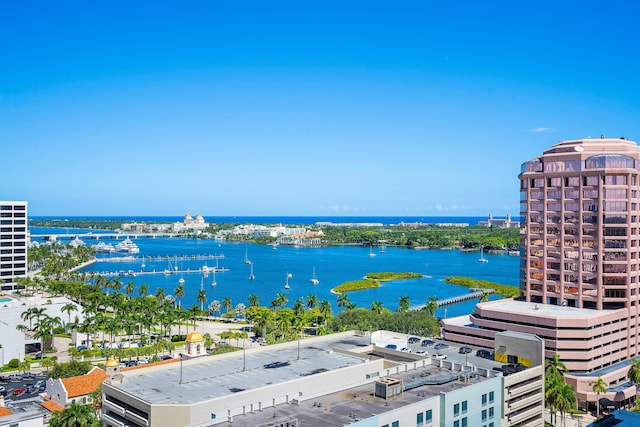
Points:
(482, 258)
(251, 276)
(371, 254)
(246, 257)
(313, 279)
(169, 269)
(142, 265)
(286, 285)
(214, 283)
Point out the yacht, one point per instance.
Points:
(77, 242)
(482, 258)
(371, 254)
(104, 247)
(127, 246)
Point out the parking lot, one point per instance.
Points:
(17, 387)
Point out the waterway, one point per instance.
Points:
(333, 265)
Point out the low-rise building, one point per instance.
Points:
(64, 391)
(334, 380)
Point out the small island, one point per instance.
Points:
(372, 280)
(506, 291)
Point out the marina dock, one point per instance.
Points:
(474, 294)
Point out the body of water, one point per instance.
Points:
(333, 266)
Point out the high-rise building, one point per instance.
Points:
(13, 242)
(579, 265)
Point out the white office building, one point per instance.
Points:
(13, 243)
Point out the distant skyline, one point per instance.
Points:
(302, 109)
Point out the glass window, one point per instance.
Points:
(490, 397)
(491, 412)
(484, 397)
(395, 424)
(464, 407)
(419, 418)
(484, 415)
(429, 415)
(464, 422)
(456, 423)
(456, 409)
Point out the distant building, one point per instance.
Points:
(190, 223)
(13, 243)
(500, 222)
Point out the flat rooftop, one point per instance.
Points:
(357, 403)
(211, 377)
(549, 310)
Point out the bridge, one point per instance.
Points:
(102, 236)
(475, 293)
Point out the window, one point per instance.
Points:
(429, 415)
(456, 409)
(484, 415)
(484, 399)
(464, 422)
(490, 397)
(491, 412)
(464, 407)
(490, 424)
(420, 418)
(395, 424)
(456, 423)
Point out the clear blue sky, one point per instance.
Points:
(302, 108)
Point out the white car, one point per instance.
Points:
(405, 349)
(422, 352)
(439, 356)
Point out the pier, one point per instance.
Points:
(475, 293)
(103, 236)
(130, 258)
(133, 273)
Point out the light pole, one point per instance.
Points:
(180, 369)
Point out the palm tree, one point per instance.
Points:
(484, 296)
(160, 294)
(68, 308)
(312, 301)
(129, 288)
(202, 298)
(599, 386)
(377, 307)
(253, 300)
(634, 375)
(404, 304)
(178, 292)
(143, 290)
(325, 310)
(565, 399)
(227, 304)
(74, 416)
(555, 368)
(240, 310)
(431, 305)
(344, 302)
(299, 306)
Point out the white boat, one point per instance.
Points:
(169, 269)
(181, 281)
(127, 246)
(313, 279)
(482, 258)
(246, 257)
(251, 276)
(286, 284)
(77, 242)
(371, 254)
(214, 283)
(104, 247)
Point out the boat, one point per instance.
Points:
(169, 269)
(181, 281)
(286, 284)
(127, 246)
(482, 258)
(76, 243)
(313, 279)
(142, 265)
(104, 247)
(246, 257)
(251, 276)
(371, 254)
(214, 283)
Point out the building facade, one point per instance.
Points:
(579, 264)
(13, 243)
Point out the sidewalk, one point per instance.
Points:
(581, 420)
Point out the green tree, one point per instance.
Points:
(431, 305)
(253, 300)
(598, 386)
(404, 303)
(75, 415)
(634, 376)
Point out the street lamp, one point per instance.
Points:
(180, 368)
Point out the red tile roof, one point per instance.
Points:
(4, 411)
(51, 406)
(84, 384)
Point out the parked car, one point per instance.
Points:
(422, 352)
(483, 353)
(18, 391)
(465, 350)
(4, 379)
(165, 357)
(405, 349)
(440, 346)
(439, 356)
(41, 385)
(427, 342)
(28, 376)
(15, 377)
(413, 340)
(3, 391)
(81, 347)
(391, 346)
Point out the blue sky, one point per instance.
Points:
(300, 108)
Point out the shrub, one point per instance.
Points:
(13, 363)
